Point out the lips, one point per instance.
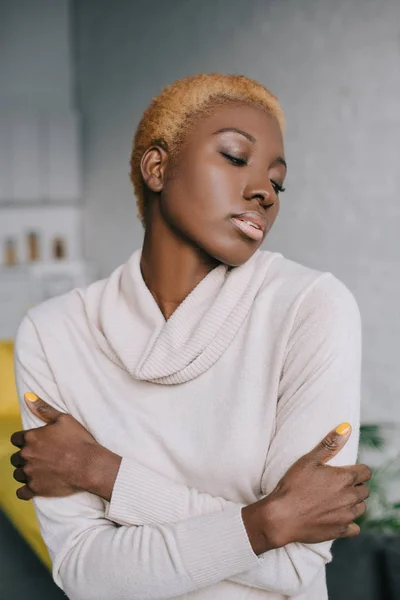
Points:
(251, 224)
(255, 218)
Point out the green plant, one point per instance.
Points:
(382, 516)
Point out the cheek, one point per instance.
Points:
(218, 189)
(222, 181)
(203, 188)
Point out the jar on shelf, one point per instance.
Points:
(10, 252)
(33, 246)
(59, 248)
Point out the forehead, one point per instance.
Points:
(264, 128)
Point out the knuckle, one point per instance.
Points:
(352, 513)
(355, 511)
(329, 443)
(347, 516)
(30, 436)
(28, 469)
(354, 497)
(349, 478)
(350, 499)
(24, 453)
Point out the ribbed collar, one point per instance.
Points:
(131, 329)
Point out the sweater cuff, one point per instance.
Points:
(141, 496)
(215, 546)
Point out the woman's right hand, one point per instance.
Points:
(316, 502)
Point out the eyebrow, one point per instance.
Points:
(246, 135)
(279, 159)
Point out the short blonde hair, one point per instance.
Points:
(176, 108)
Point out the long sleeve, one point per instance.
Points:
(319, 388)
(94, 558)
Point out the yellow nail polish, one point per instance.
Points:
(31, 397)
(343, 428)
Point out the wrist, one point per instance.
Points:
(101, 471)
(253, 519)
(274, 520)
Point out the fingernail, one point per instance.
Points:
(31, 397)
(343, 428)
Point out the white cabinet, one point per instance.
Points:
(39, 157)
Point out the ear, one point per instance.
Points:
(152, 166)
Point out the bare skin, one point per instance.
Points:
(191, 200)
(189, 232)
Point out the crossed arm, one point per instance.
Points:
(191, 537)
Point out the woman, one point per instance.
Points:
(198, 380)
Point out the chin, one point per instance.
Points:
(234, 254)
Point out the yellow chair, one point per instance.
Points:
(21, 513)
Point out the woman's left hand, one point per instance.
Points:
(53, 460)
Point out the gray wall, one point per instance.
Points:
(35, 54)
(335, 67)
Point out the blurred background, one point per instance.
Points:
(75, 77)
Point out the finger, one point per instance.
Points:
(20, 475)
(25, 493)
(17, 460)
(18, 439)
(331, 444)
(351, 531)
(362, 472)
(41, 409)
(362, 491)
(360, 509)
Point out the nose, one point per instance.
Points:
(264, 193)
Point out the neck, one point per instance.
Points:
(171, 266)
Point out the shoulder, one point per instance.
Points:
(54, 319)
(309, 294)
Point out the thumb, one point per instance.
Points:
(331, 444)
(40, 408)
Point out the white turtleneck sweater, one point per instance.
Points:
(208, 410)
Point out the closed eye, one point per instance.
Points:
(277, 188)
(241, 162)
(234, 160)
